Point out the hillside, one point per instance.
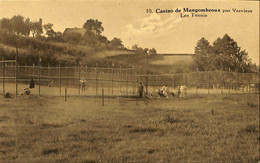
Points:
(52, 51)
(156, 63)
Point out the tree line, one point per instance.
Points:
(224, 54)
(36, 37)
(20, 25)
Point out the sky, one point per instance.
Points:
(166, 32)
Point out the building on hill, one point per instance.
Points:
(75, 30)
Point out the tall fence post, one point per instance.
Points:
(33, 70)
(65, 94)
(79, 79)
(103, 97)
(126, 81)
(222, 83)
(48, 71)
(229, 81)
(59, 78)
(249, 87)
(67, 80)
(136, 84)
(3, 73)
(96, 80)
(16, 76)
(197, 77)
(173, 83)
(120, 79)
(208, 82)
(237, 84)
(256, 85)
(141, 74)
(39, 75)
(133, 79)
(112, 80)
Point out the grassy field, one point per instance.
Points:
(213, 128)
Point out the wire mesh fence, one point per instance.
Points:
(52, 81)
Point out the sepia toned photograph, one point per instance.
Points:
(95, 81)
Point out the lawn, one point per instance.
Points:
(204, 128)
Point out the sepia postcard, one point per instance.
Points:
(129, 81)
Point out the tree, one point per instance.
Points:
(27, 27)
(36, 28)
(152, 52)
(225, 54)
(145, 50)
(140, 50)
(49, 31)
(18, 24)
(202, 51)
(5, 23)
(102, 39)
(116, 43)
(94, 26)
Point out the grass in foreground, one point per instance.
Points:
(196, 129)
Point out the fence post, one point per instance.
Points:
(173, 83)
(65, 94)
(141, 74)
(96, 80)
(133, 79)
(16, 75)
(33, 70)
(197, 77)
(67, 80)
(59, 78)
(126, 81)
(255, 80)
(102, 96)
(112, 80)
(208, 82)
(249, 83)
(3, 74)
(120, 79)
(237, 84)
(136, 84)
(79, 79)
(48, 71)
(229, 80)
(222, 83)
(39, 75)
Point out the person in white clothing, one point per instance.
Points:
(182, 90)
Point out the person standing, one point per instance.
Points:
(31, 84)
(141, 90)
(83, 84)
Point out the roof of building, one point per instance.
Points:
(74, 30)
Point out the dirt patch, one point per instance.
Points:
(143, 130)
(2, 134)
(8, 143)
(50, 151)
(4, 118)
(169, 119)
(50, 125)
(248, 129)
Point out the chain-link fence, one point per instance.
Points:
(52, 81)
